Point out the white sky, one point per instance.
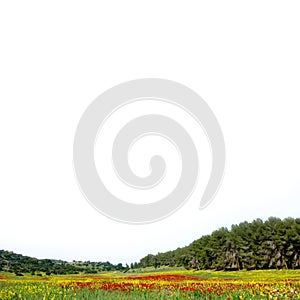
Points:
(56, 57)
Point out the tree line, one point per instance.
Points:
(19, 264)
(273, 244)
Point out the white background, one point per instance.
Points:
(242, 57)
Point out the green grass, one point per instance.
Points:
(164, 283)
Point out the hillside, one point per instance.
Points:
(18, 264)
(273, 244)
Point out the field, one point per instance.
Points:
(174, 284)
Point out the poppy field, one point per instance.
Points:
(176, 284)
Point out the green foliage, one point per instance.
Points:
(18, 264)
(273, 244)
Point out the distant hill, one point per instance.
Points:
(18, 264)
(273, 244)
